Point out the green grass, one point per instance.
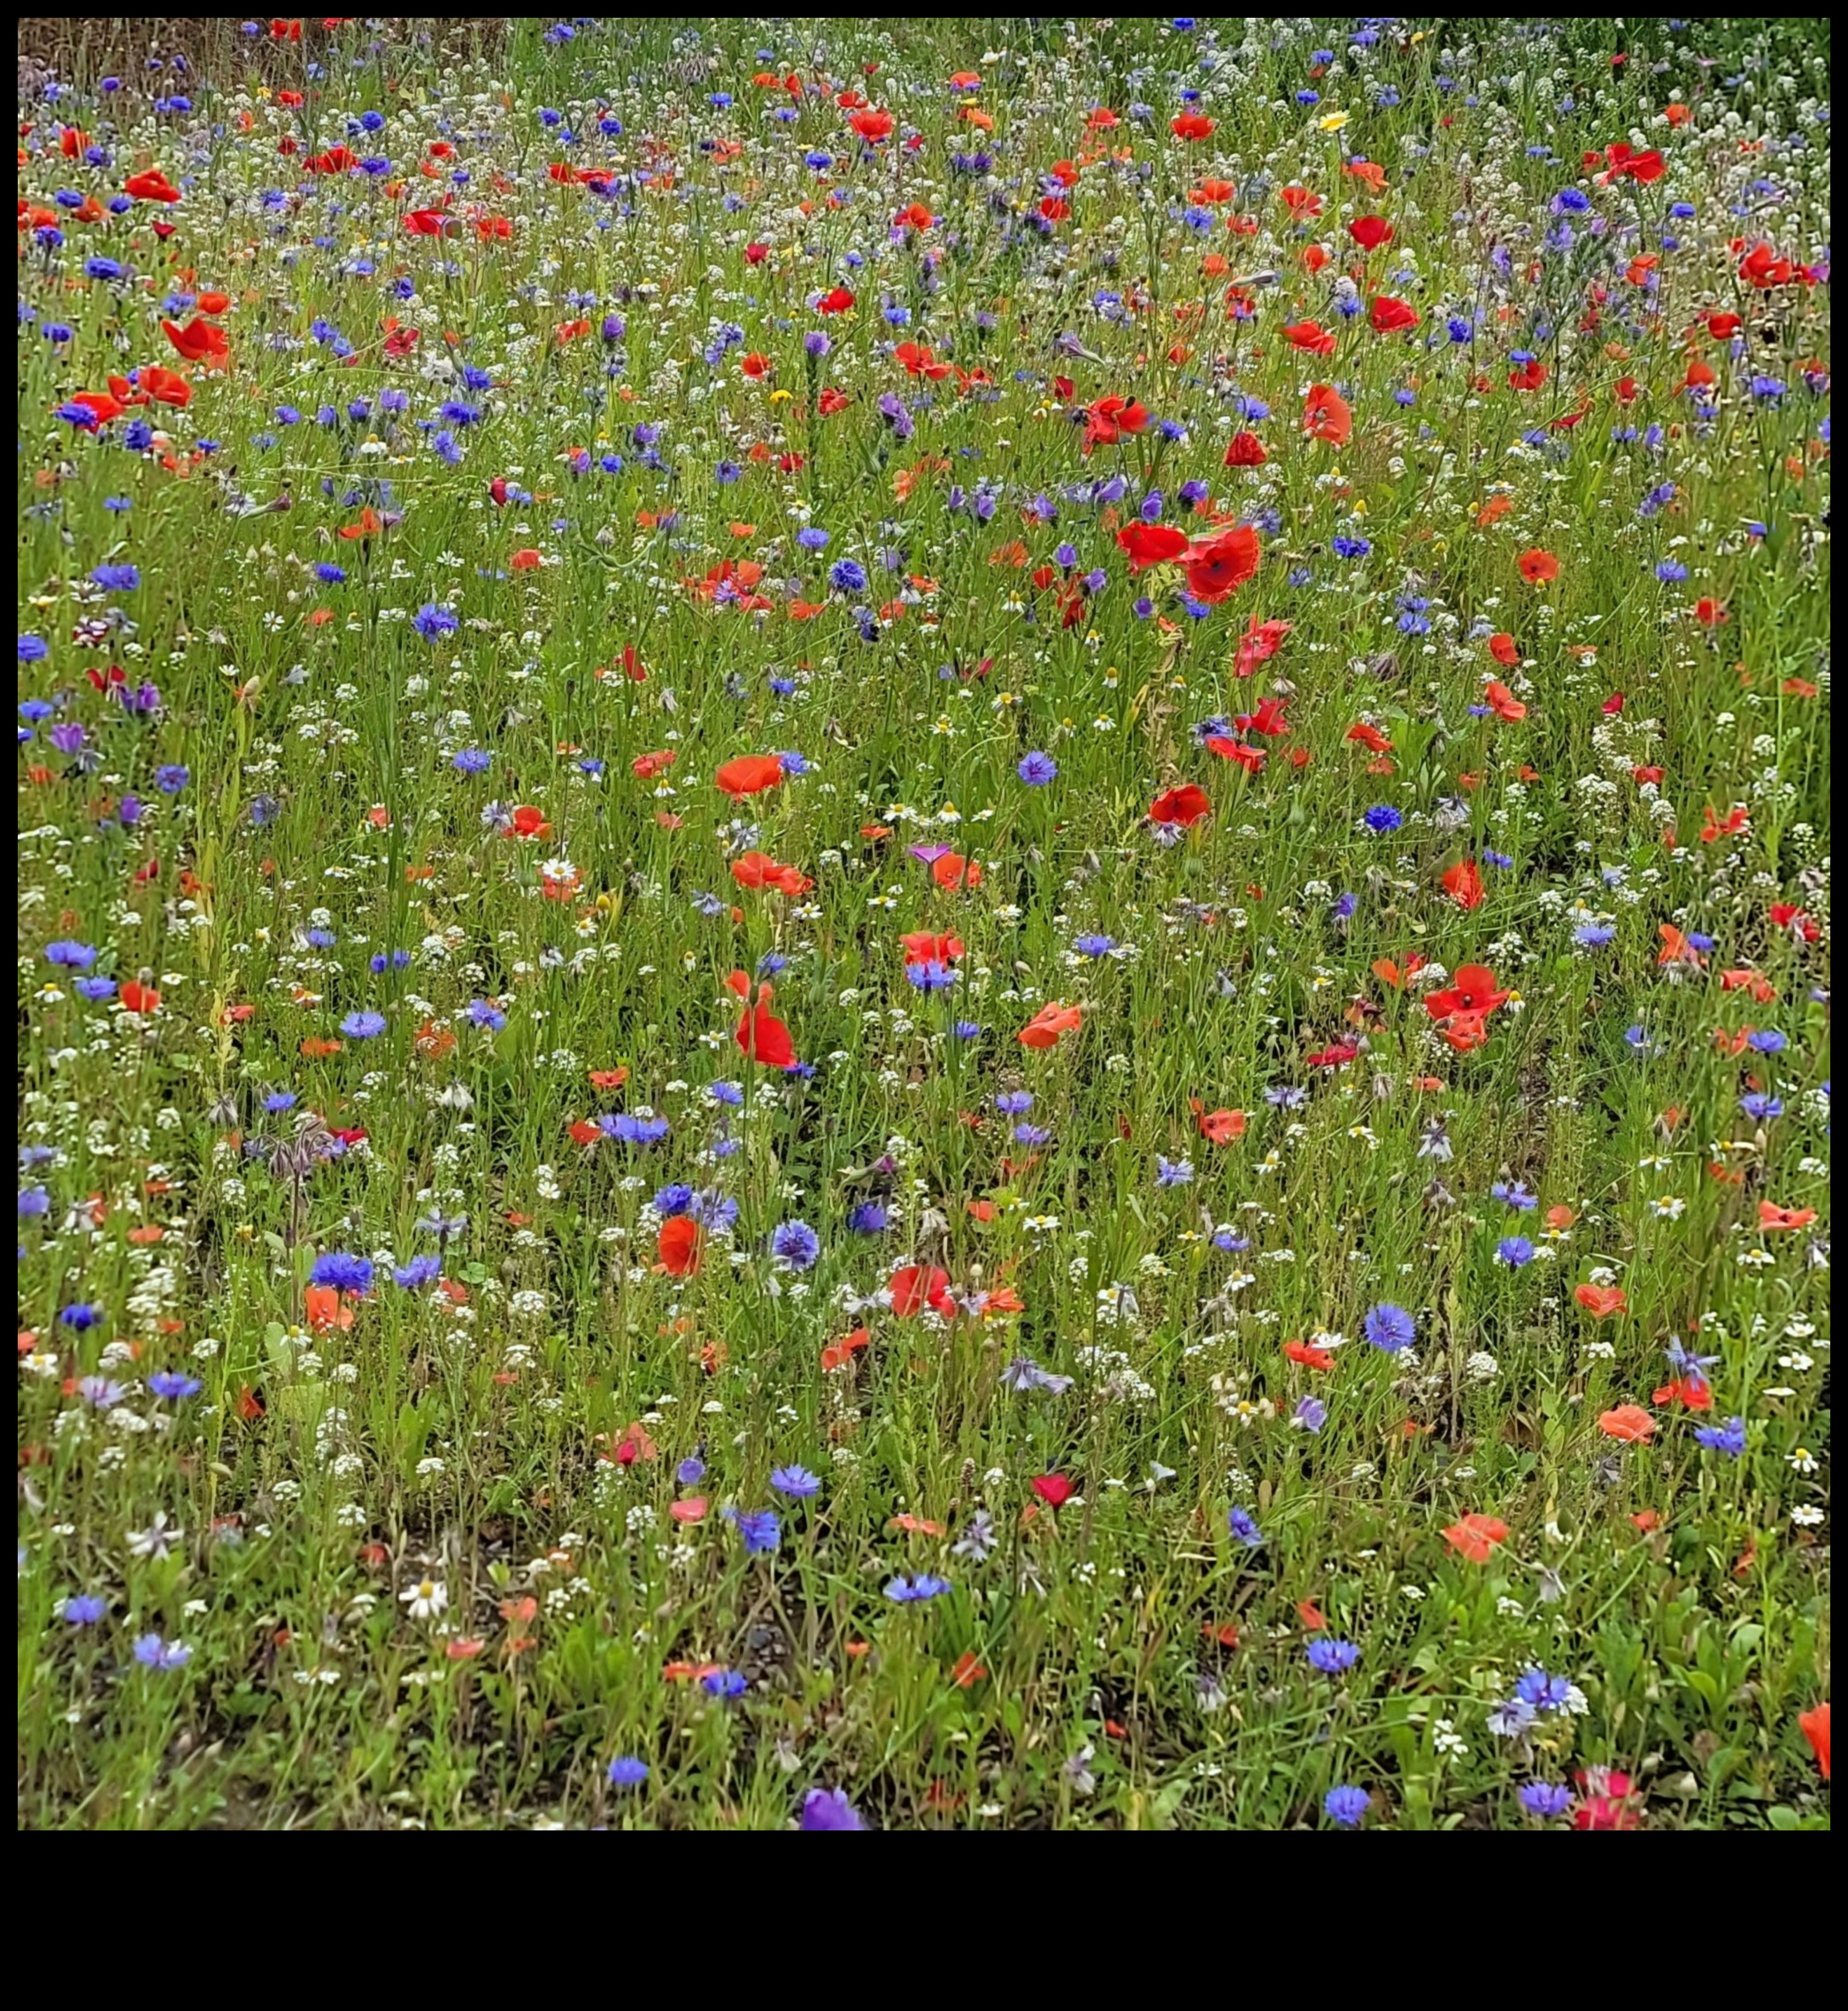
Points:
(516, 1440)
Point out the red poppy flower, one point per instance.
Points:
(1184, 806)
(1109, 419)
(1050, 1025)
(165, 387)
(151, 186)
(1246, 450)
(198, 340)
(916, 1286)
(1369, 233)
(1472, 990)
(836, 300)
(761, 1035)
(1309, 336)
(1814, 1727)
(749, 774)
(1053, 1488)
(1538, 567)
(1607, 1803)
(1327, 416)
(1475, 1537)
(1218, 568)
(1390, 316)
(1463, 884)
(1152, 545)
(679, 1246)
(921, 947)
(756, 870)
(873, 126)
(1192, 126)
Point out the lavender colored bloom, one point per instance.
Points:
(795, 1244)
(1332, 1658)
(1545, 1799)
(1242, 1526)
(797, 1481)
(1037, 770)
(829, 1808)
(172, 1387)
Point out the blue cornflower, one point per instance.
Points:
(1594, 935)
(797, 1481)
(1514, 1251)
(1172, 1172)
(907, 1591)
(419, 1272)
(490, 1018)
(343, 1272)
(1729, 1437)
(628, 1773)
(1765, 1040)
(472, 762)
(795, 1244)
(1515, 1194)
(1383, 818)
(1761, 1108)
(1389, 1327)
(152, 1652)
(1094, 945)
(1331, 1657)
(760, 1528)
(1542, 1692)
(172, 1387)
(363, 1026)
(1037, 770)
(431, 621)
(1545, 1799)
(70, 956)
(1240, 1521)
(1346, 1806)
(868, 1218)
(631, 1130)
(847, 576)
(84, 1609)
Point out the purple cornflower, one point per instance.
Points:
(829, 1808)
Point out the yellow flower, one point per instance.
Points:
(1334, 122)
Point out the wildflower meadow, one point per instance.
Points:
(924, 924)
